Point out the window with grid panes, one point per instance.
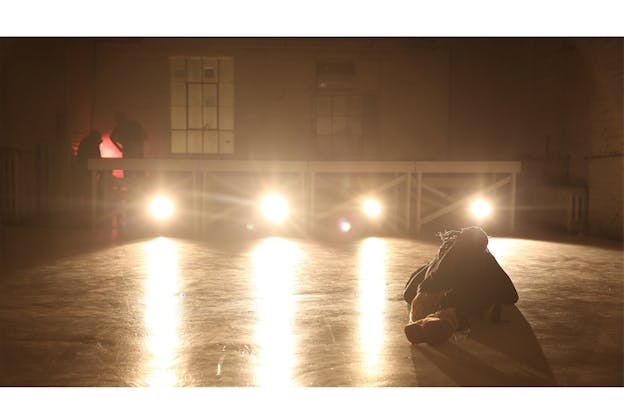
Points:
(202, 105)
(343, 118)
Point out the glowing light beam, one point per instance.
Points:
(161, 208)
(275, 208)
(371, 207)
(480, 208)
(344, 226)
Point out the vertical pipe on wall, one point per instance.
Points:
(304, 198)
(203, 200)
(195, 194)
(93, 84)
(418, 201)
(449, 147)
(93, 197)
(512, 210)
(311, 218)
(408, 200)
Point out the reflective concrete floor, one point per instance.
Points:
(76, 310)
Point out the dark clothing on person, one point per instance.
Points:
(89, 148)
(130, 135)
(467, 274)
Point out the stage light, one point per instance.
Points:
(161, 208)
(371, 207)
(345, 226)
(275, 208)
(480, 208)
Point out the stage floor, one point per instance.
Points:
(293, 312)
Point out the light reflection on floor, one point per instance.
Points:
(275, 262)
(162, 311)
(295, 312)
(502, 248)
(372, 282)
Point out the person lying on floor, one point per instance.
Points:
(461, 281)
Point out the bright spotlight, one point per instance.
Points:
(345, 226)
(371, 207)
(275, 208)
(161, 208)
(480, 208)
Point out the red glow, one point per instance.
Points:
(109, 150)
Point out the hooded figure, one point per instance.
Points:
(128, 136)
(462, 280)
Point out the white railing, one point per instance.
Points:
(405, 173)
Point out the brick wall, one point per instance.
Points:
(605, 196)
(578, 136)
(606, 135)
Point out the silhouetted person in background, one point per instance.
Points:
(128, 136)
(89, 148)
(462, 280)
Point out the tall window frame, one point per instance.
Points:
(201, 105)
(344, 116)
(344, 124)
